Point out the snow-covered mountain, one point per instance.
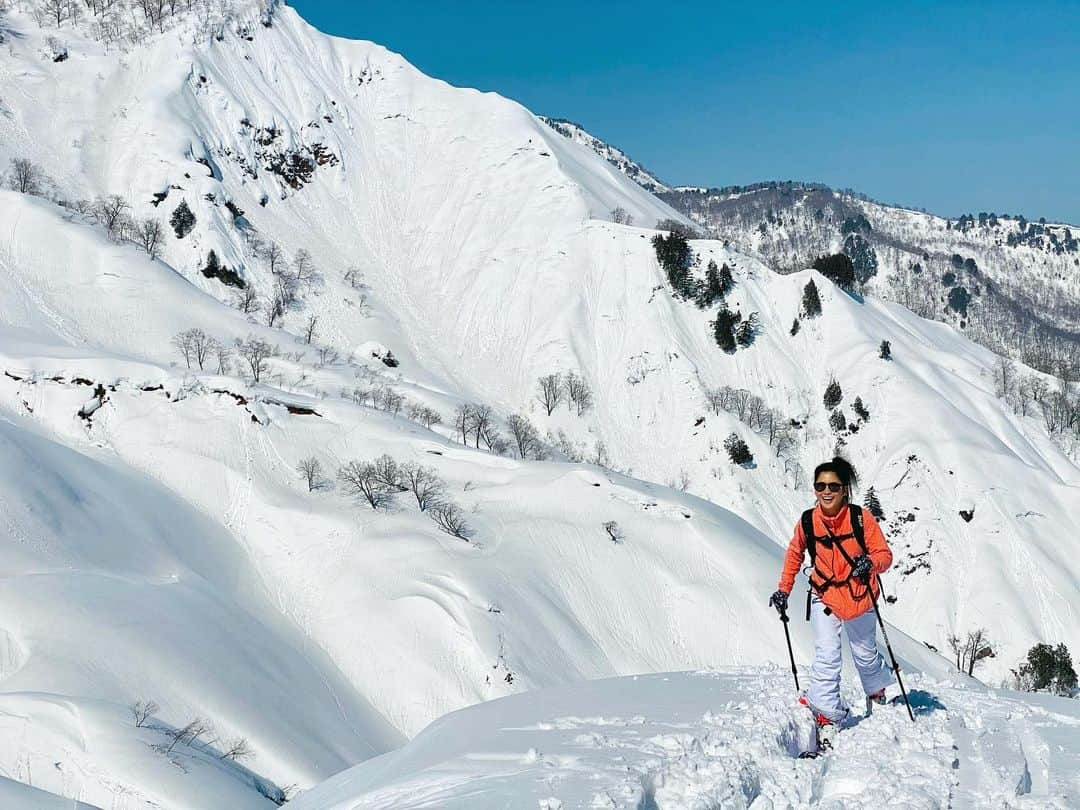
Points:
(163, 547)
(1012, 284)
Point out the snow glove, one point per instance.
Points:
(861, 567)
(779, 601)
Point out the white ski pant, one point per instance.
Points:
(824, 692)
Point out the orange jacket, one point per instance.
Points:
(850, 598)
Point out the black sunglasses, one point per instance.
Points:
(819, 486)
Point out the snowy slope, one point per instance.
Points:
(616, 157)
(722, 738)
(168, 550)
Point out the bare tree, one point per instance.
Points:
(57, 10)
(282, 298)
(449, 517)
(1004, 378)
(389, 400)
(613, 531)
(26, 177)
(388, 473)
(600, 455)
(311, 470)
(424, 484)
(579, 393)
(143, 711)
(971, 649)
(1039, 387)
(482, 422)
(360, 479)
(741, 403)
(303, 267)
(237, 749)
(274, 257)
(224, 357)
(1024, 394)
(195, 345)
(255, 352)
(150, 234)
(182, 343)
(493, 440)
(465, 420)
(328, 355)
(187, 735)
(309, 328)
(755, 412)
(111, 211)
(550, 391)
(247, 300)
(354, 277)
(525, 437)
(424, 415)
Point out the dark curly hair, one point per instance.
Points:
(842, 468)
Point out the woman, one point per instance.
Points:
(844, 571)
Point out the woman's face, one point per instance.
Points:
(829, 500)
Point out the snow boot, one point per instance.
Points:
(826, 732)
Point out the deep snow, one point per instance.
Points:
(165, 548)
(723, 739)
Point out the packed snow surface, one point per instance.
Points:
(726, 738)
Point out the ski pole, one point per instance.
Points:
(791, 654)
(888, 646)
(881, 624)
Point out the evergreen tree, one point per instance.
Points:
(959, 298)
(837, 421)
(864, 260)
(873, 505)
(811, 301)
(1048, 668)
(795, 327)
(746, 331)
(182, 220)
(724, 329)
(838, 269)
(215, 269)
(727, 281)
(860, 409)
(885, 350)
(213, 265)
(718, 283)
(738, 451)
(675, 256)
(833, 394)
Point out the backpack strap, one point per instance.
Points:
(857, 526)
(808, 534)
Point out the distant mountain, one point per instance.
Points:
(1010, 283)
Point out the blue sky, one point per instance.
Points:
(954, 108)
